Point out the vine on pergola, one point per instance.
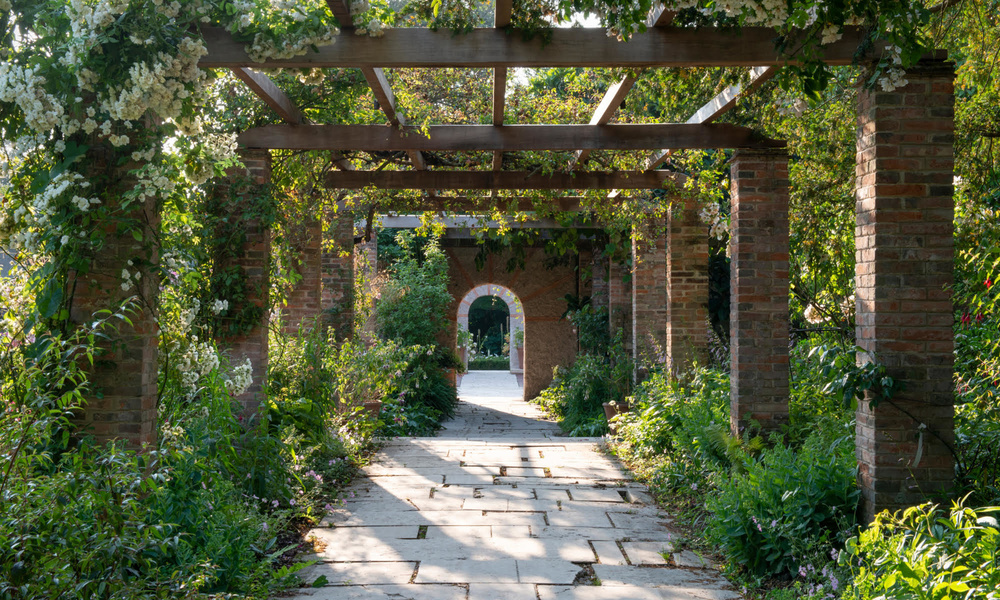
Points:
(123, 76)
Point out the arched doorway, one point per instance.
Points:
(515, 323)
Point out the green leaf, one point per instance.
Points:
(320, 581)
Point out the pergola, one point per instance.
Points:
(904, 207)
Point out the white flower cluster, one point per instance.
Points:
(218, 147)
(359, 6)
(219, 306)
(710, 215)
(197, 361)
(374, 29)
(895, 76)
(26, 88)
(241, 379)
(188, 315)
(264, 47)
(22, 228)
(161, 87)
(130, 279)
(5, 5)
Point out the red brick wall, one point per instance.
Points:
(338, 274)
(759, 375)
(255, 259)
(649, 297)
(904, 269)
(620, 300)
(687, 286)
(123, 378)
(304, 307)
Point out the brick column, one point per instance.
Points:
(620, 301)
(255, 261)
(687, 286)
(123, 378)
(598, 281)
(366, 268)
(649, 298)
(759, 290)
(904, 268)
(338, 274)
(304, 308)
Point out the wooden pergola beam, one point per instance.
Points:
(722, 103)
(510, 138)
(570, 47)
(465, 205)
(503, 180)
(271, 94)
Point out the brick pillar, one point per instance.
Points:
(649, 298)
(620, 301)
(904, 269)
(366, 268)
(338, 274)
(687, 286)
(255, 261)
(304, 307)
(759, 290)
(123, 377)
(598, 281)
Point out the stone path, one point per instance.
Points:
(500, 507)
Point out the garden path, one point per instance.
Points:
(500, 507)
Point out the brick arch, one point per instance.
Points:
(515, 310)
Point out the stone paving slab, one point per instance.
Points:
(499, 506)
(387, 592)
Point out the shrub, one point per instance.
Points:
(927, 552)
(786, 505)
(490, 363)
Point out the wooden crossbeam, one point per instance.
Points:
(468, 205)
(271, 94)
(510, 138)
(570, 47)
(503, 180)
(716, 107)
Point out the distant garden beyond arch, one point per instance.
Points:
(515, 324)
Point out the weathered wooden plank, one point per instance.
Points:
(271, 94)
(468, 205)
(569, 47)
(501, 18)
(504, 180)
(717, 106)
(375, 138)
(503, 13)
(659, 16)
(342, 12)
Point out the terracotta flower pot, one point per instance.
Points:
(613, 410)
(373, 408)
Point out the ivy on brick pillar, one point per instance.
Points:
(338, 274)
(687, 286)
(904, 268)
(123, 378)
(365, 269)
(304, 308)
(649, 297)
(759, 324)
(254, 259)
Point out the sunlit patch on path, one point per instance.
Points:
(499, 507)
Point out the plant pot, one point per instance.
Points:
(373, 408)
(613, 410)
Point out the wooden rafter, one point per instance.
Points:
(503, 180)
(510, 138)
(572, 47)
(501, 18)
(615, 96)
(717, 106)
(376, 80)
(464, 204)
(271, 94)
